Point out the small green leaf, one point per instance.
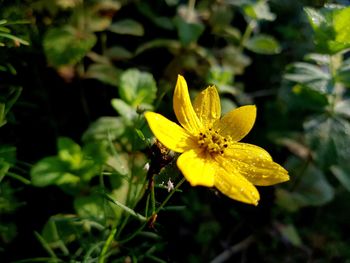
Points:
(52, 171)
(290, 233)
(137, 87)
(312, 76)
(343, 108)
(127, 27)
(2, 114)
(188, 32)
(67, 46)
(118, 53)
(106, 73)
(91, 207)
(263, 44)
(124, 109)
(259, 11)
(342, 176)
(70, 152)
(104, 128)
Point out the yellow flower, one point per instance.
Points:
(211, 152)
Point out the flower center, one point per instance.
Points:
(212, 142)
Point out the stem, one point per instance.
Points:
(18, 177)
(107, 244)
(247, 33)
(170, 195)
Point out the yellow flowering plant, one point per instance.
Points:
(211, 152)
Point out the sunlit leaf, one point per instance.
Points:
(52, 171)
(263, 44)
(137, 87)
(331, 27)
(124, 109)
(259, 11)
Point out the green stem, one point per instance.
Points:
(247, 33)
(18, 177)
(170, 195)
(107, 244)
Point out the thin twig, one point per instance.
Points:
(225, 255)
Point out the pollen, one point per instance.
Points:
(212, 142)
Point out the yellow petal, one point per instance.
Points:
(235, 186)
(197, 168)
(238, 122)
(255, 164)
(207, 106)
(169, 133)
(183, 107)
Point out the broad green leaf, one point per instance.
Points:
(263, 44)
(104, 128)
(312, 76)
(137, 87)
(147, 10)
(331, 27)
(127, 27)
(70, 152)
(106, 73)
(67, 46)
(52, 171)
(189, 32)
(342, 175)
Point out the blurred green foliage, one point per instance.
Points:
(81, 178)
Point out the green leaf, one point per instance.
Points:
(259, 11)
(106, 73)
(67, 46)
(311, 189)
(127, 27)
(331, 27)
(104, 128)
(172, 45)
(290, 233)
(343, 73)
(8, 154)
(52, 171)
(326, 137)
(342, 176)
(311, 76)
(118, 53)
(137, 87)
(188, 32)
(263, 44)
(124, 109)
(342, 108)
(70, 152)
(2, 114)
(91, 207)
